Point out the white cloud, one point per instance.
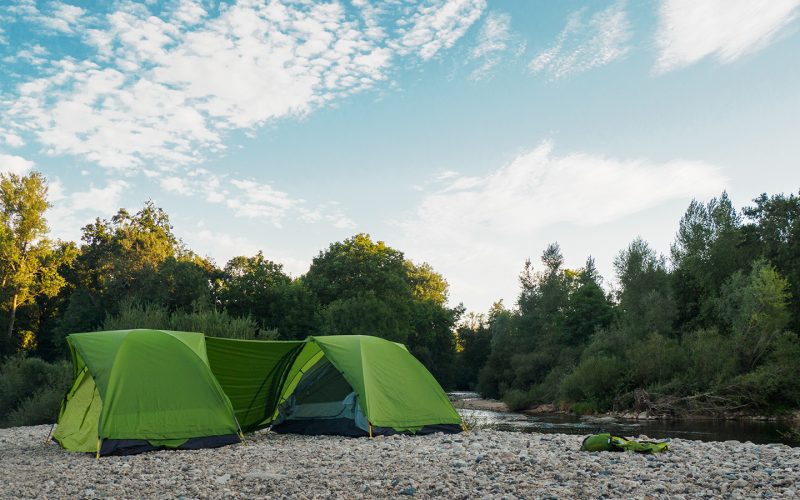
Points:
(250, 199)
(477, 230)
(492, 42)
(190, 12)
(12, 164)
(727, 29)
(328, 212)
(224, 246)
(260, 201)
(71, 211)
(64, 17)
(12, 139)
(162, 91)
(100, 199)
(60, 17)
(176, 185)
(583, 45)
(437, 26)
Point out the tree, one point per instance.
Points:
(365, 286)
(710, 246)
(645, 297)
(474, 345)
(132, 257)
(589, 308)
(353, 266)
(495, 376)
(28, 259)
(756, 305)
(775, 227)
(254, 286)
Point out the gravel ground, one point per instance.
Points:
(478, 464)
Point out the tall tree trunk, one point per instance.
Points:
(13, 315)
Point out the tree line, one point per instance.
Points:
(714, 328)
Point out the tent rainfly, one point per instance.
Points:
(351, 385)
(140, 390)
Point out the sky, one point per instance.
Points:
(468, 134)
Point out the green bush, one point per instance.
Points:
(709, 358)
(516, 399)
(597, 380)
(210, 322)
(583, 408)
(31, 390)
(654, 360)
(773, 386)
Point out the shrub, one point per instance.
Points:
(516, 399)
(210, 322)
(709, 358)
(31, 390)
(597, 380)
(774, 385)
(583, 409)
(655, 359)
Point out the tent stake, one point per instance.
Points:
(370, 429)
(47, 439)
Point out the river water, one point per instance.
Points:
(703, 430)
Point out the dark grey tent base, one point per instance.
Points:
(135, 446)
(346, 427)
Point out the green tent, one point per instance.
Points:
(138, 390)
(350, 384)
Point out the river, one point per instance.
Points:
(758, 432)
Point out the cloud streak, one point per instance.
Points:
(585, 44)
(494, 42)
(472, 227)
(725, 29)
(13, 164)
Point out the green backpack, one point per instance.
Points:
(607, 442)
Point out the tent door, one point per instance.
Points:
(322, 403)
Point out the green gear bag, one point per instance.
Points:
(608, 442)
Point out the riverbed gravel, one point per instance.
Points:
(481, 463)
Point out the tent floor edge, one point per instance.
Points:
(345, 427)
(136, 446)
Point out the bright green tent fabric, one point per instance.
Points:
(249, 372)
(394, 389)
(149, 386)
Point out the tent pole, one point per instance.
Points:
(241, 434)
(369, 424)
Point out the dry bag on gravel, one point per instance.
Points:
(608, 442)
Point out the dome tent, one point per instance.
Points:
(347, 384)
(139, 390)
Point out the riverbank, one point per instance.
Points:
(473, 401)
(476, 464)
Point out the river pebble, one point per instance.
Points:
(482, 463)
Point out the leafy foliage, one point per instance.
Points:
(29, 261)
(714, 332)
(712, 329)
(208, 321)
(31, 390)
